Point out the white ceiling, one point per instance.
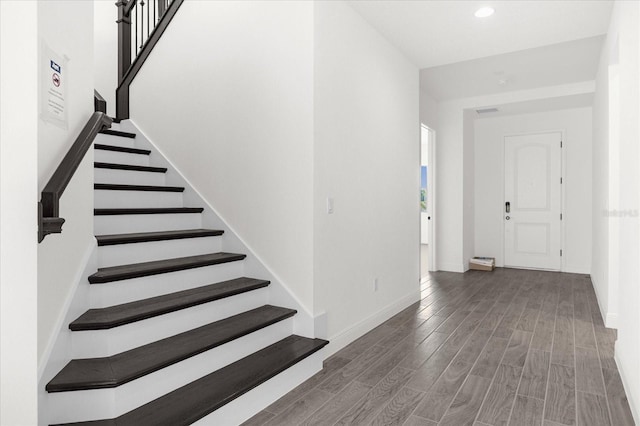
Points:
(432, 33)
(563, 63)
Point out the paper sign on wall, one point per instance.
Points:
(54, 75)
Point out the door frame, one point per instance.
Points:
(562, 187)
(431, 194)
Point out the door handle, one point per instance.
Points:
(507, 217)
(507, 207)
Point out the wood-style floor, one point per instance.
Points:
(508, 347)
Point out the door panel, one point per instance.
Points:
(532, 238)
(532, 188)
(532, 184)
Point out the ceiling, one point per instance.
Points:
(433, 33)
(563, 63)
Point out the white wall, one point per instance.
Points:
(18, 214)
(449, 188)
(469, 199)
(55, 283)
(600, 189)
(251, 148)
(489, 178)
(452, 234)
(616, 161)
(366, 157)
(428, 110)
(105, 45)
(236, 118)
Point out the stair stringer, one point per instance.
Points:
(279, 293)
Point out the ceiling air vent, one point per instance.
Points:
(486, 110)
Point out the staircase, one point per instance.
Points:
(176, 334)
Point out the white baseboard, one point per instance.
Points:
(451, 267)
(631, 398)
(577, 269)
(610, 318)
(320, 325)
(343, 338)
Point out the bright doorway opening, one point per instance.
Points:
(427, 203)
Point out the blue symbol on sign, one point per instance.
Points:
(55, 67)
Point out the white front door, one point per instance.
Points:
(532, 194)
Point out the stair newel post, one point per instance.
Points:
(124, 39)
(124, 54)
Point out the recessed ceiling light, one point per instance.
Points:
(483, 12)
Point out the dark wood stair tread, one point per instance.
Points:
(118, 133)
(115, 166)
(136, 270)
(121, 149)
(143, 237)
(126, 313)
(109, 372)
(194, 401)
(109, 422)
(145, 210)
(124, 187)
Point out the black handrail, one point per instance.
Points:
(163, 12)
(49, 220)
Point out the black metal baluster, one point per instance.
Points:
(142, 25)
(162, 6)
(135, 24)
(131, 52)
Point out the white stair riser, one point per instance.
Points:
(131, 199)
(103, 156)
(100, 343)
(90, 404)
(128, 177)
(122, 254)
(251, 403)
(122, 224)
(118, 292)
(115, 140)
